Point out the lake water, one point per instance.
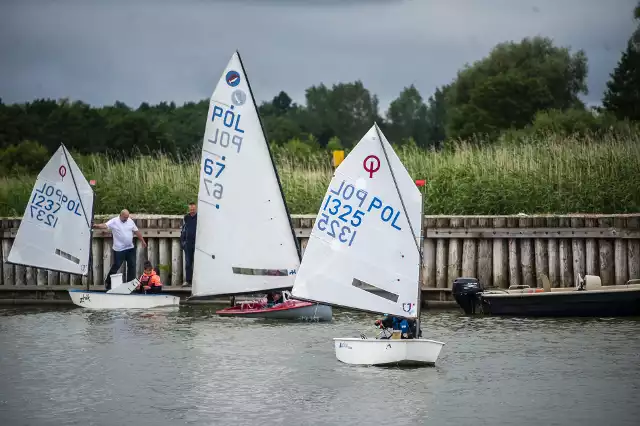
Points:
(62, 366)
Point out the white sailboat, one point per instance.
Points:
(245, 242)
(365, 252)
(55, 234)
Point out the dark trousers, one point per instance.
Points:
(128, 256)
(189, 250)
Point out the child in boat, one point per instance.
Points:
(273, 298)
(406, 326)
(149, 280)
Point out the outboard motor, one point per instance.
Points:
(465, 291)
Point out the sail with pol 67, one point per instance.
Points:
(244, 239)
(363, 251)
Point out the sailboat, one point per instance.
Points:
(245, 242)
(56, 230)
(365, 252)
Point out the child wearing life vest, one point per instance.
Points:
(149, 280)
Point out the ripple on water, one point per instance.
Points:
(189, 366)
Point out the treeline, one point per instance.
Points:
(520, 88)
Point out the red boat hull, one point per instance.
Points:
(290, 309)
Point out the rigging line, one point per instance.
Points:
(393, 176)
(73, 179)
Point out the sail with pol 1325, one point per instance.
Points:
(364, 251)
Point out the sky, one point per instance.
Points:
(100, 51)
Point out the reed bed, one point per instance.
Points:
(543, 174)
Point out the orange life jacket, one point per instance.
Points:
(152, 280)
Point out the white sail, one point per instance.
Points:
(244, 239)
(361, 240)
(55, 231)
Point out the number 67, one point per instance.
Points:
(208, 167)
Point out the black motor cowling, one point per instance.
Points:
(465, 291)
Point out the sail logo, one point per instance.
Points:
(408, 307)
(371, 166)
(232, 78)
(238, 97)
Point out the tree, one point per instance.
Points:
(436, 117)
(622, 96)
(407, 117)
(347, 110)
(516, 80)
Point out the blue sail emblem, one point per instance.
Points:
(407, 306)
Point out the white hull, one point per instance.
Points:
(383, 352)
(100, 300)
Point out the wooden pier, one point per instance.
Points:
(498, 250)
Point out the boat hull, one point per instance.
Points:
(589, 303)
(101, 300)
(289, 310)
(387, 352)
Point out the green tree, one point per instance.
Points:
(26, 157)
(347, 110)
(622, 96)
(436, 117)
(407, 116)
(507, 88)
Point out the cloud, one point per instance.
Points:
(134, 51)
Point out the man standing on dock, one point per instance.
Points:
(122, 228)
(188, 241)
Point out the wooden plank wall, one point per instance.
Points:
(499, 250)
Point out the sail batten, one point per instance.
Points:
(244, 231)
(363, 250)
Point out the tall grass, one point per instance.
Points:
(545, 174)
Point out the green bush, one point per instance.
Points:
(27, 157)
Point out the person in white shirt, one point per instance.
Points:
(122, 228)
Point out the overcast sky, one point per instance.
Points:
(100, 51)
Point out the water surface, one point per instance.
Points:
(187, 366)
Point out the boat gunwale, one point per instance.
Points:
(76, 290)
(358, 339)
(569, 291)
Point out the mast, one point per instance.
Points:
(275, 170)
(420, 273)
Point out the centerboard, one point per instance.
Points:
(363, 251)
(55, 231)
(245, 242)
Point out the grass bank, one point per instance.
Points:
(550, 174)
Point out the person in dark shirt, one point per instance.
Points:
(406, 326)
(188, 241)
